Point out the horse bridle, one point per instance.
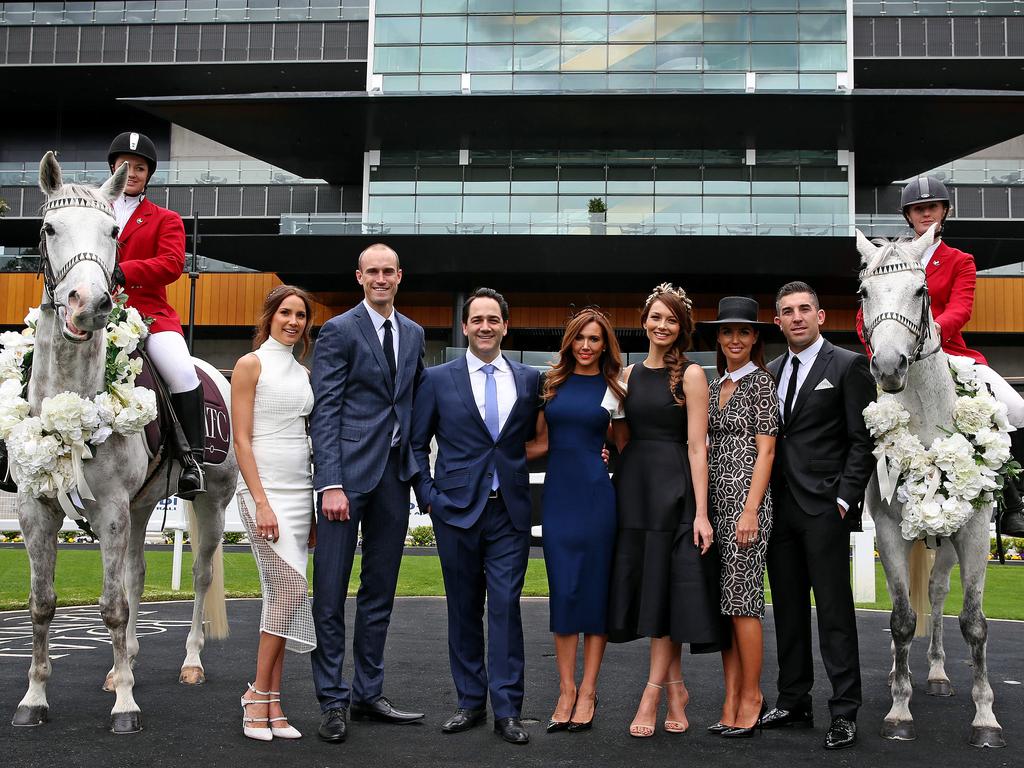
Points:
(921, 328)
(52, 280)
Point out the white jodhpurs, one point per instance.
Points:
(170, 356)
(1005, 394)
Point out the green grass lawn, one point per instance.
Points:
(78, 574)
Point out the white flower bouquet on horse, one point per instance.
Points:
(46, 451)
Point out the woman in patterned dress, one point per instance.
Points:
(743, 421)
(270, 399)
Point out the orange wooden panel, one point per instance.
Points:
(998, 306)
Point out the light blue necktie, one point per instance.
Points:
(491, 412)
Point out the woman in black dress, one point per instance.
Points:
(743, 420)
(664, 573)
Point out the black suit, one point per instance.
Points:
(823, 453)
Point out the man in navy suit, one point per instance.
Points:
(365, 366)
(482, 409)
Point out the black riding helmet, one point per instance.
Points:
(130, 143)
(924, 189)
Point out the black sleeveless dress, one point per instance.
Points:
(660, 583)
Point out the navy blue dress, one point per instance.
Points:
(579, 508)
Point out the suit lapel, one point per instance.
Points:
(775, 367)
(519, 375)
(814, 377)
(460, 378)
(370, 334)
(405, 345)
(936, 261)
(139, 218)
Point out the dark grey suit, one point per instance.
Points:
(354, 415)
(823, 453)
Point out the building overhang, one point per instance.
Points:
(936, 72)
(323, 134)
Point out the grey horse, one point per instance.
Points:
(81, 249)
(909, 363)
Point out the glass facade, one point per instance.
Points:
(588, 45)
(664, 192)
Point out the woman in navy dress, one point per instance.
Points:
(579, 506)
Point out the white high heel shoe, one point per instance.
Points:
(291, 732)
(259, 734)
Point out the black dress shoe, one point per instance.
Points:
(841, 734)
(576, 726)
(719, 728)
(777, 717)
(383, 710)
(333, 728)
(463, 720)
(511, 730)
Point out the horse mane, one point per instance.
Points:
(887, 248)
(87, 191)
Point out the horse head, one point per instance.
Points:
(897, 311)
(78, 248)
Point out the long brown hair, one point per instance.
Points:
(679, 304)
(756, 351)
(611, 356)
(270, 307)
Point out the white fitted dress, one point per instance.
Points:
(284, 398)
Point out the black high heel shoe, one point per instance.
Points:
(719, 728)
(746, 733)
(575, 727)
(554, 726)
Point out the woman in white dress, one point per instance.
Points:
(270, 399)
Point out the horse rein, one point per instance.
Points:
(51, 280)
(921, 328)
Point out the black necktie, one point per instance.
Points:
(787, 408)
(389, 349)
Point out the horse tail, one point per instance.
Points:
(921, 561)
(214, 606)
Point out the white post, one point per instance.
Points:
(864, 566)
(179, 540)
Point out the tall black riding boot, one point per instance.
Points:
(190, 409)
(1013, 510)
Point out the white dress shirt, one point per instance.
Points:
(504, 379)
(124, 207)
(807, 358)
(378, 324)
(929, 252)
(738, 374)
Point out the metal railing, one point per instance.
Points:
(182, 11)
(938, 7)
(939, 37)
(198, 172)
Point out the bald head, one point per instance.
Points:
(378, 249)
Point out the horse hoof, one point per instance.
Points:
(108, 683)
(27, 717)
(987, 736)
(192, 676)
(939, 688)
(898, 730)
(126, 722)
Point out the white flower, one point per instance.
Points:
(101, 433)
(15, 340)
(137, 413)
(950, 451)
(965, 372)
(885, 415)
(32, 318)
(134, 367)
(974, 413)
(999, 418)
(135, 323)
(994, 447)
(10, 364)
(121, 337)
(13, 408)
(70, 416)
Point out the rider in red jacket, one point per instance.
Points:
(951, 276)
(151, 257)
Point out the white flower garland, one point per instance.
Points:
(45, 451)
(941, 486)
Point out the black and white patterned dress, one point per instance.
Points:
(752, 410)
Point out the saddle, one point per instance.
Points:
(159, 432)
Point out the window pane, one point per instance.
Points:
(631, 5)
(772, 82)
(726, 5)
(818, 82)
(439, 204)
(773, 26)
(491, 29)
(678, 82)
(679, 57)
(440, 83)
(490, 6)
(581, 181)
(491, 83)
(727, 180)
(435, 179)
(822, 5)
(592, 58)
(719, 81)
(629, 208)
(582, 82)
(823, 57)
(489, 58)
(726, 57)
(535, 82)
(680, 5)
(775, 180)
(397, 29)
(828, 180)
(726, 27)
(535, 179)
(400, 83)
(714, 204)
(775, 204)
(405, 59)
(485, 204)
(639, 180)
(677, 204)
(392, 179)
(832, 205)
(542, 204)
(630, 82)
(538, 29)
(631, 57)
(622, 29)
(576, 6)
(769, 56)
(444, 6)
(444, 29)
(773, 5)
(584, 29)
(822, 26)
(489, 179)
(680, 27)
(443, 58)
(398, 6)
(537, 58)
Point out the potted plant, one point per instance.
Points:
(597, 209)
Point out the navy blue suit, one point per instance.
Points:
(483, 539)
(352, 424)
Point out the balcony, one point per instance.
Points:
(182, 11)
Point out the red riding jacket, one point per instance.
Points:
(152, 256)
(951, 277)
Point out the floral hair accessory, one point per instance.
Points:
(663, 288)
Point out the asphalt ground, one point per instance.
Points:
(201, 726)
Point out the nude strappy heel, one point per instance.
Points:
(290, 732)
(645, 730)
(677, 726)
(262, 733)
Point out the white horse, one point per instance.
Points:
(80, 253)
(908, 362)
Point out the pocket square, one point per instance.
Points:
(823, 384)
